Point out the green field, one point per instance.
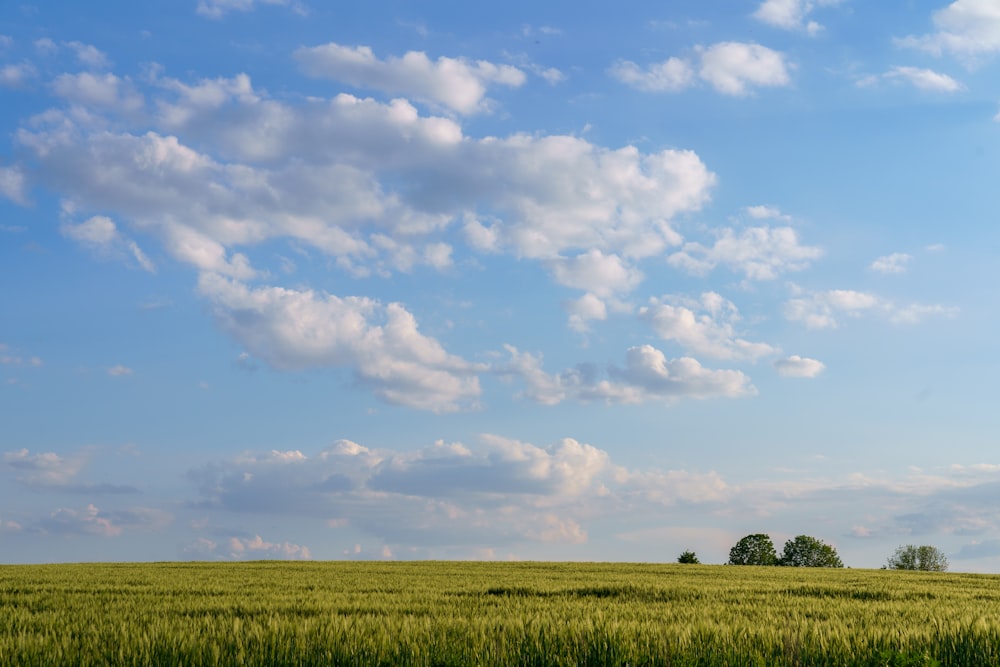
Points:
(465, 613)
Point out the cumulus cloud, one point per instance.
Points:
(671, 75)
(597, 273)
(795, 366)
(732, 68)
(13, 185)
(17, 75)
(646, 376)
(98, 90)
(966, 28)
(897, 262)
(297, 329)
(706, 327)
(455, 83)
(256, 548)
(88, 55)
(119, 371)
(764, 212)
(823, 310)
(792, 14)
(498, 491)
(91, 520)
(46, 469)
(760, 253)
(326, 173)
(567, 468)
(584, 310)
(55, 472)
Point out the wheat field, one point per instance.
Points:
(476, 613)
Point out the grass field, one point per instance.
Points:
(465, 613)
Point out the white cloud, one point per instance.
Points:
(91, 520)
(915, 313)
(671, 75)
(499, 491)
(923, 79)
(216, 9)
(551, 75)
(46, 469)
(119, 371)
(965, 28)
(45, 46)
(597, 273)
(101, 235)
(567, 469)
(585, 309)
(764, 212)
(760, 253)
(647, 376)
(89, 55)
(706, 327)
(98, 231)
(13, 185)
(100, 90)
(256, 548)
(321, 173)
(452, 82)
(821, 310)
(733, 68)
(297, 329)
(9, 358)
(895, 263)
(795, 366)
(15, 76)
(791, 14)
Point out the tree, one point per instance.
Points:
(924, 558)
(757, 549)
(805, 551)
(688, 557)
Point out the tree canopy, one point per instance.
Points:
(757, 549)
(688, 557)
(924, 558)
(806, 551)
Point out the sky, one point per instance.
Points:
(569, 281)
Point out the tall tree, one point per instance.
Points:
(688, 557)
(806, 551)
(924, 558)
(757, 549)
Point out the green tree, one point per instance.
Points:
(757, 549)
(924, 558)
(688, 557)
(806, 551)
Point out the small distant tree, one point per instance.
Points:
(806, 551)
(757, 549)
(924, 558)
(688, 557)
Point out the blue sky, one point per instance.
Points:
(560, 281)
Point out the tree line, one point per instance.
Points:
(807, 551)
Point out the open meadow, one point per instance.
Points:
(476, 613)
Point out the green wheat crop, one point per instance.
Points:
(447, 613)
